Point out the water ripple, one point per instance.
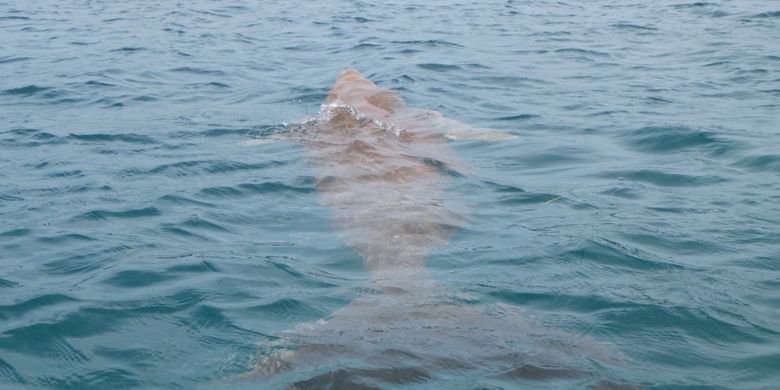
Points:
(761, 163)
(613, 254)
(664, 179)
(97, 215)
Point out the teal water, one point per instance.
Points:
(143, 244)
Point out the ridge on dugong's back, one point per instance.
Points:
(383, 169)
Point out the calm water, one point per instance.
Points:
(143, 245)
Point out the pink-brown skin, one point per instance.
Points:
(382, 171)
(361, 93)
(383, 176)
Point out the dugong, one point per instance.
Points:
(382, 170)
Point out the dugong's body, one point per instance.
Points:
(382, 169)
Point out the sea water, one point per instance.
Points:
(145, 244)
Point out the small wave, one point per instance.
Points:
(613, 254)
(10, 198)
(16, 233)
(656, 99)
(212, 84)
(366, 46)
(187, 168)
(64, 238)
(438, 67)
(181, 200)
(218, 85)
(760, 262)
(211, 13)
(96, 83)
(505, 187)
(761, 163)
(136, 279)
(518, 117)
(185, 229)
(9, 373)
(574, 50)
(762, 366)
(518, 196)
(97, 379)
(10, 59)
(550, 301)
(207, 316)
(607, 113)
(31, 138)
(622, 192)
(669, 139)
(284, 264)
(428, 43)
(25, 91)
(694, 5)
(82, 261)
(220, 192)
(274, 187)
(664, 179)
(198, 71)
(128, 49)
(771, 14)
(137, 357)
(509, 81)
(528, 198)
(5, 283)
(71, 173)
(287, 308)
(222, 132)
(199, 223)
(677, 320)
(39, 302)
(129, 138)
(200, 267)
(99, 215)
(144, 98)
(179, 301)
(629, 26)
(551, 157)
(48, 339)
(675, 245)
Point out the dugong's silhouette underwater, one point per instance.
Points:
(382, 169)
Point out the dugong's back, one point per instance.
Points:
(383, 178)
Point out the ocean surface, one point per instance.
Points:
(144, 243)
